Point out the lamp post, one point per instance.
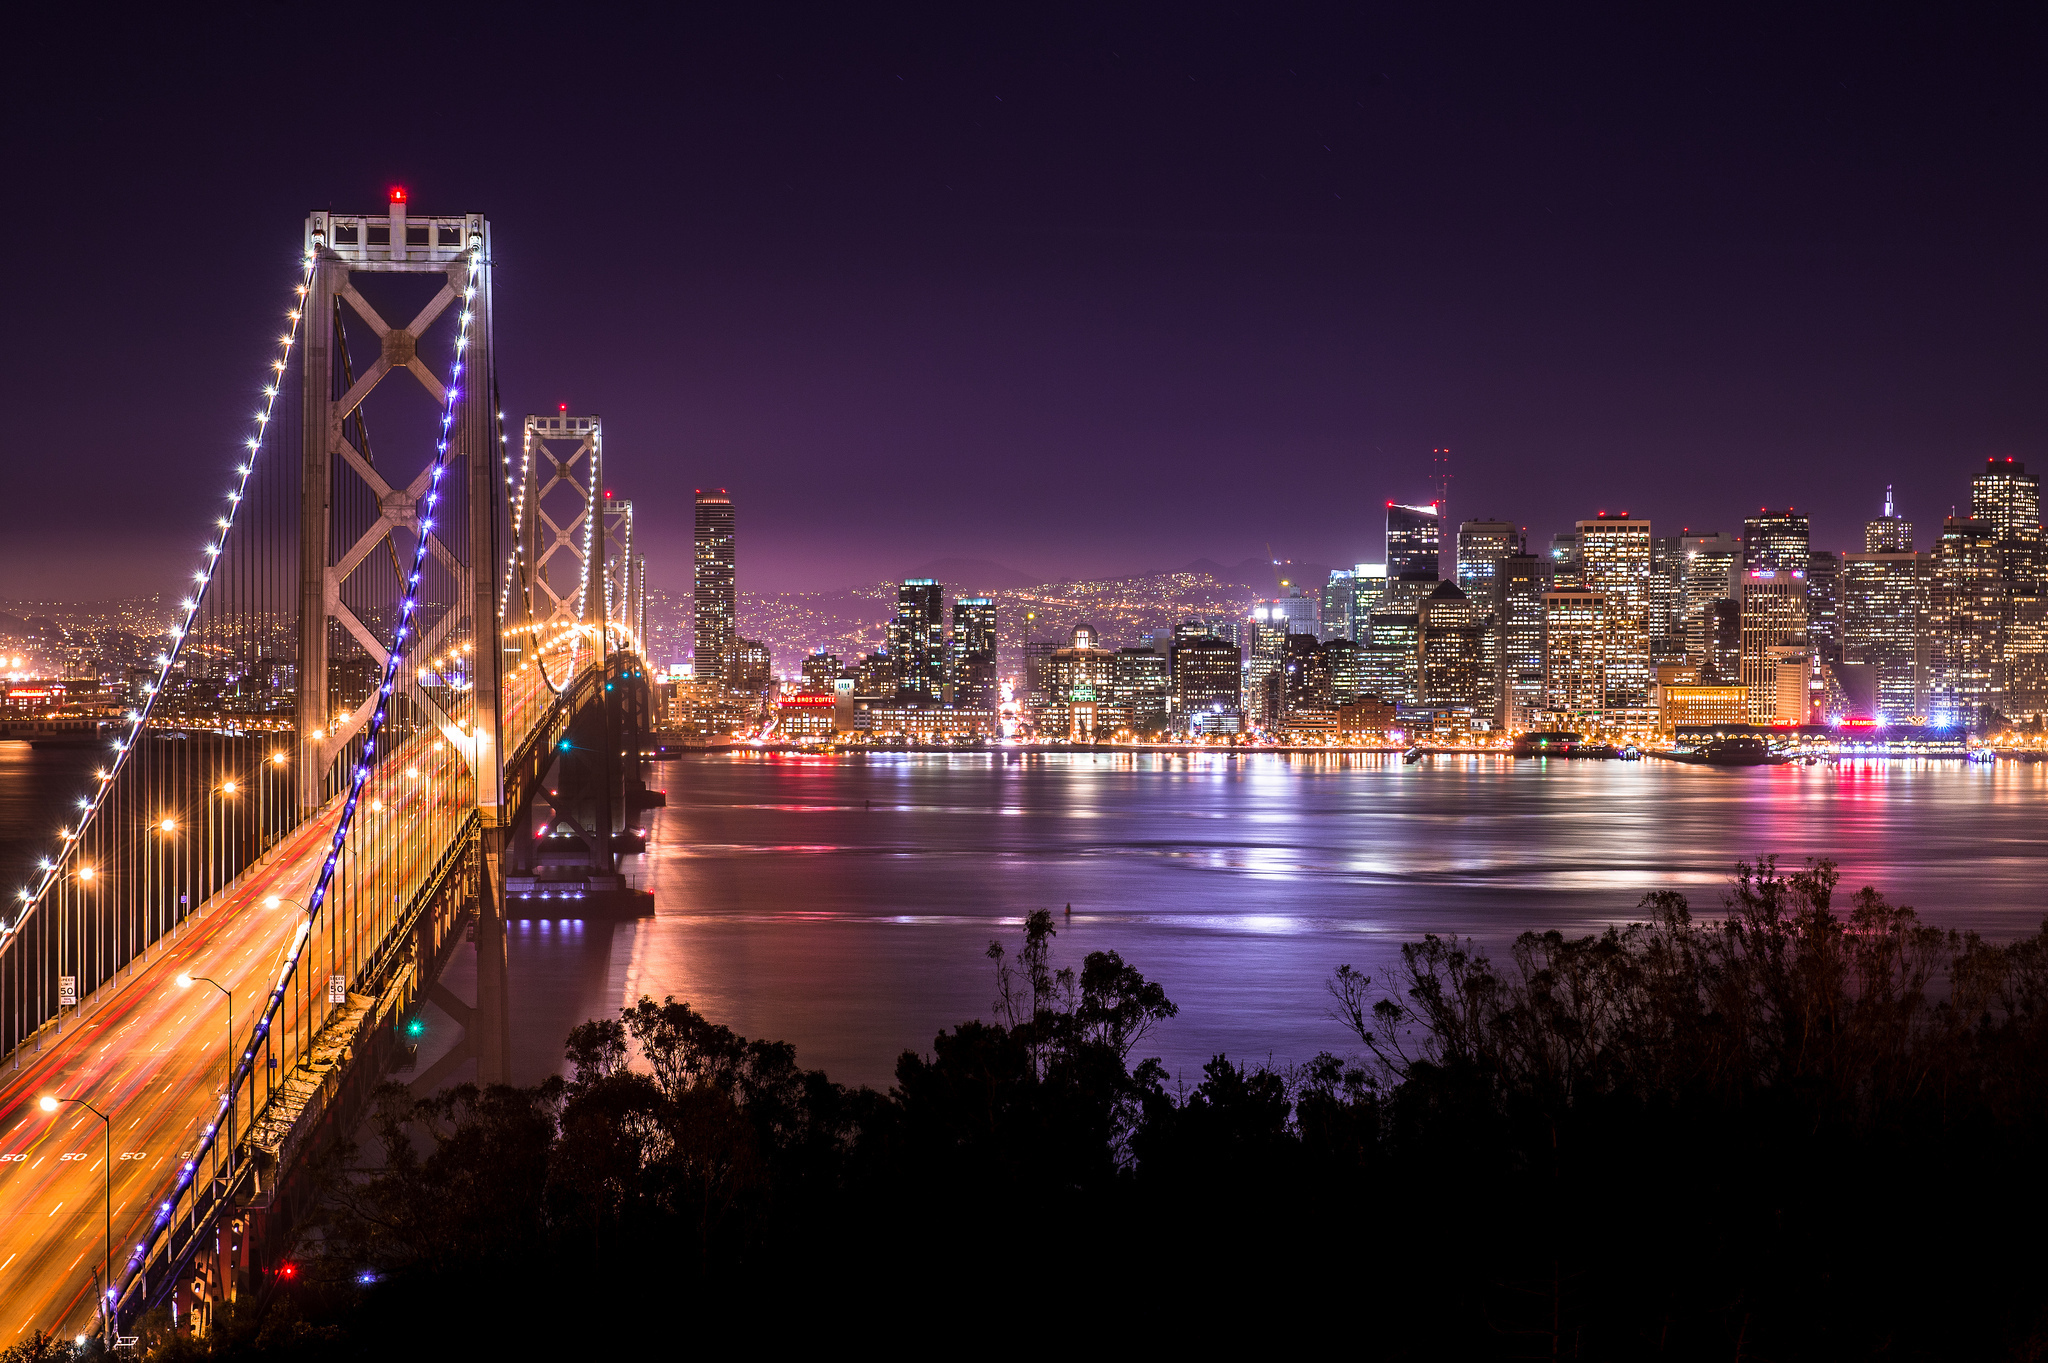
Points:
(49, 1104)
(305, 983)
(186, 982)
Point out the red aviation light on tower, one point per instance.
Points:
(398, 194)
(561, 406)
(607, 494)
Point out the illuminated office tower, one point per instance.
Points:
(1414, 543)
(2008, 499)
(1520, 581)
(1139, 688)
(1207, 673)
(917, 642)
(1265, 658)
(1965, 602)
(1456, 667)
(1481, 547)
(1574, 655)
(1723, 665)
(717, 601)
(972, 653)
(1667, 599)
(1884, 609)
(1712, 562)
(1334, 620)
(1889, 533)
(1776, 555)
(1824, 604)
(1346, 661)
(821, 669)
(1776, 542)
(1391, 653)
(1614, 557)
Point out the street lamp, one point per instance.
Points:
(186, 982)
(49, 1104)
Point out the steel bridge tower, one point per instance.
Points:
(336, 467)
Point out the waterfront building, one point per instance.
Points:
(1139, 689)
(971, 654)
(1481, 547)
(1081, 685)
(1456, 663)
(1414, 542)
(1965, 606)
(1792, 693)
(1334, 620)
(1520, 581)
(1824, 604)
(2024, 695)
(1575, 654)
(1366, 720)
(1614, 556)
(1724, 642)
(917, 641)
(1207, 674)
(1889, 533)
(806, 716)
(717, 613)
(2007, 499)
(1698, 703)
(1884, 611)
(1264, 661)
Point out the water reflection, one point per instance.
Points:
(845, 905)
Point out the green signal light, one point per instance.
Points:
(415, 1027)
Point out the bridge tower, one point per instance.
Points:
(355, 512)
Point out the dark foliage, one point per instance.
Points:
(1784, 1133)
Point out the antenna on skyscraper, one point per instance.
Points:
(1888, 500)
(1440, 474)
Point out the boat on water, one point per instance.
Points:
(1737, 751)
(1412, 755)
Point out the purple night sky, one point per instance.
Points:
(1082, 292)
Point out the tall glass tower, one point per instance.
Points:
(717, 614)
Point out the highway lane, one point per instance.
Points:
(153, 1055)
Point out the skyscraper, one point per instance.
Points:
(1368, 594)
(1614, 553)
(1711, 566)
(1884, 609)
(717, 601)
(1965, 605)
(1776, 556)
(917, 642)
(1888, 534)
(1574, 654)
(1414, 543)
(1519, 583)
(1334, 621)
(1207, 674)
(1824, 604)
(1456, 664)
(1481, 547)
(972, 652)
(2007, 498)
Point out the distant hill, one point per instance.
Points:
(974, 574)
(1259, 574)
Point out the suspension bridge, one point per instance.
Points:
(407, 656)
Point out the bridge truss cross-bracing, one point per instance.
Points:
(306, 796)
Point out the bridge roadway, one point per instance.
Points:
(153, 1055)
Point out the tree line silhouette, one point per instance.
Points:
(1784, 1131)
